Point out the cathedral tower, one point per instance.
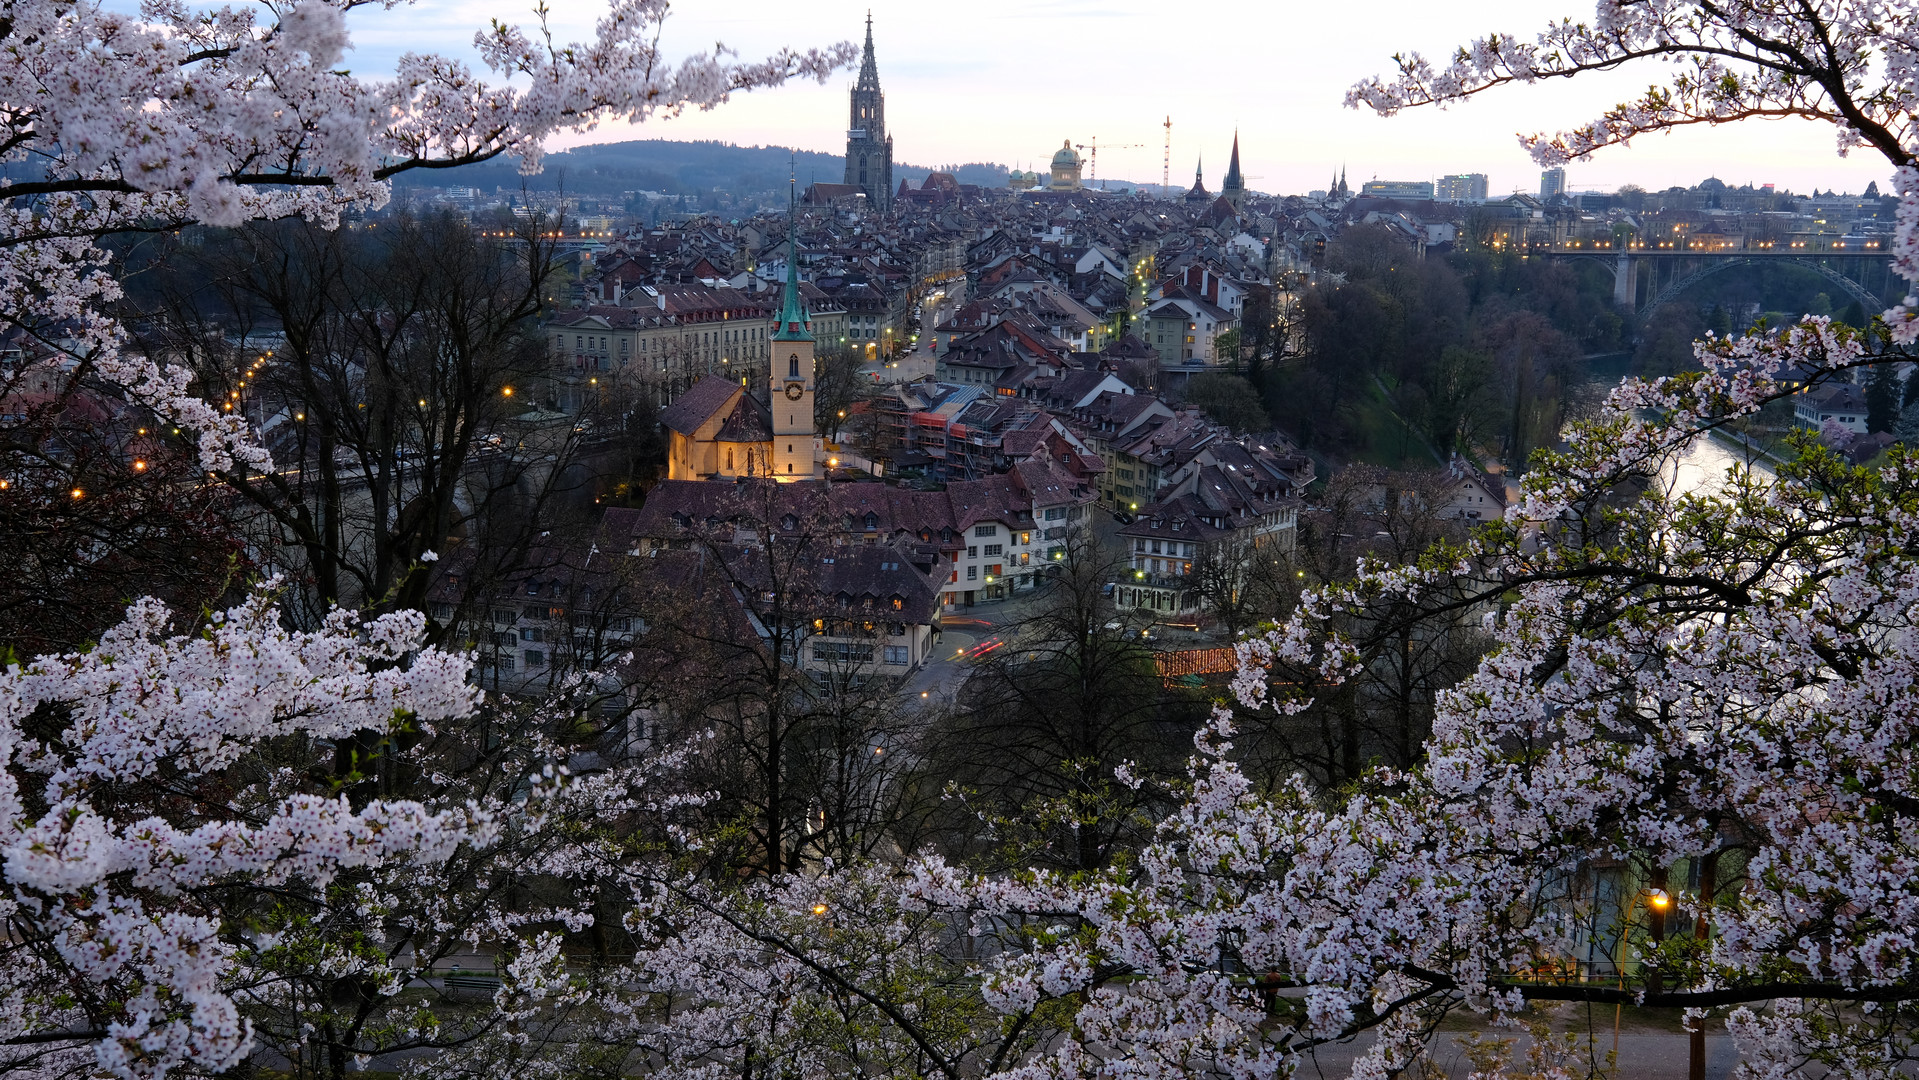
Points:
(790, 396)
(869, 150)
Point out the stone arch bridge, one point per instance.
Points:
(1645, 279)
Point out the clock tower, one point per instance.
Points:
(790, 399)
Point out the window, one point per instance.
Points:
(896, 655)
(504, 663)
(535, 658)
(504, 615)
(533, 586)
(793, 366)
(1057, 512)
(1155, 547)
(842, 651)
(972, 552)
(442, 611)
(986, 530)
(994, 549)
(532, 633)
(504, 637)
(1025, 538)
(972, 573)
(993, 570)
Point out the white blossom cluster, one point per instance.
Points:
(101, 866)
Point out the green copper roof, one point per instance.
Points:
(794, 319)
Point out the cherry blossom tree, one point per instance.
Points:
(234, 113)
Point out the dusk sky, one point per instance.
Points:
(1008, 80)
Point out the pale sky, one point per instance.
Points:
(1008, 80)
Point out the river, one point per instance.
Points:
(1702, 468)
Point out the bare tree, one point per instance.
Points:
(388, 366)
(1044, 725)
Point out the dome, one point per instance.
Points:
(1066, 156)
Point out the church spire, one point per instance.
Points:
(1232, 170)
(794, 319)
(869, 67)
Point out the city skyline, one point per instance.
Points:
(976, 90)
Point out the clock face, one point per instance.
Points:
(794, 390)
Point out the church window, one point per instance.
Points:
(793, 366)
(789, 466)
(729, 460)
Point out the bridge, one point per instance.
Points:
(1685, 263)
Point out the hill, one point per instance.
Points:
(675, 168)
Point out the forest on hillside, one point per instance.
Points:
(678, 168)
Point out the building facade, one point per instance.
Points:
(1461, 188)
(1397, 189)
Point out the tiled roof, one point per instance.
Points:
(699, 404)
(747, 423)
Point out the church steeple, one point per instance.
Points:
(1199, 195)
(795, 322)
(869, 149)
(1234, 187)
(869, 67)
(790, 380)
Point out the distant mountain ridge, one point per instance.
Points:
(673, 167)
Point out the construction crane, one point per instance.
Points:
(1166, 166)
(1093, 155)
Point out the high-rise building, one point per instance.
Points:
(1552, 182)
(1461, 187)
(869, 149)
